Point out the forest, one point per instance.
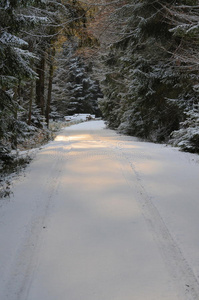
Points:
(132, 62)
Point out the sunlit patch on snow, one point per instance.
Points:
(88, 145)
(66, 138)
(80, 137)
(61, 138)
(113, 201)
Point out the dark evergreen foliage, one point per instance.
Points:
(28, 32)
(15, 66)
(146, 91)
(74, 90)
(150, 74)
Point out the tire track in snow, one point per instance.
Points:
(26, 260)
(25, 263)
(178, 267)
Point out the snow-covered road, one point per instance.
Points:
(100, 216)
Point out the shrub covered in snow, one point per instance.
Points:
(187, 137)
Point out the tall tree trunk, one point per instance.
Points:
(50, 81)
(40, 84)
(30, 102)
(14, 136)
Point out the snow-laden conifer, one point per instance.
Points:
(150, 63)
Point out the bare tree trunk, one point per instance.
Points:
(14, 136)
(50, 80)
(30, 102)
(40, 84)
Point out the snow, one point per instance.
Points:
(7, 38)
(25, 53)
(32, 19)
(79, 117)
(100, 215)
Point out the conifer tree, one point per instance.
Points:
(74, 90)
(184, 19)
(144, 89)
(15, 67)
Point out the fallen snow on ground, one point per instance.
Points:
(79, 117)
(99, 215)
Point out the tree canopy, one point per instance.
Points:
(150, 84)
(137, 60)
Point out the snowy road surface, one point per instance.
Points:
(100, 216)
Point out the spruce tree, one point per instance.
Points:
(143, 86)
(74, 90)
(15, 67)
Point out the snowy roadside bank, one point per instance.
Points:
(18, 159)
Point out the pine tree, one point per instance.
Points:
(74, 91)
(143, 86)
(15, 67)
(184, 20)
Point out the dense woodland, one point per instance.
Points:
(135, 62)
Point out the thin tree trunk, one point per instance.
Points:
(30, 102)
(14, 136)
(40, 84)
(50, 81)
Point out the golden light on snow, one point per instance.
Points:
(79, 137)
(61, 138)
(66, 138)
